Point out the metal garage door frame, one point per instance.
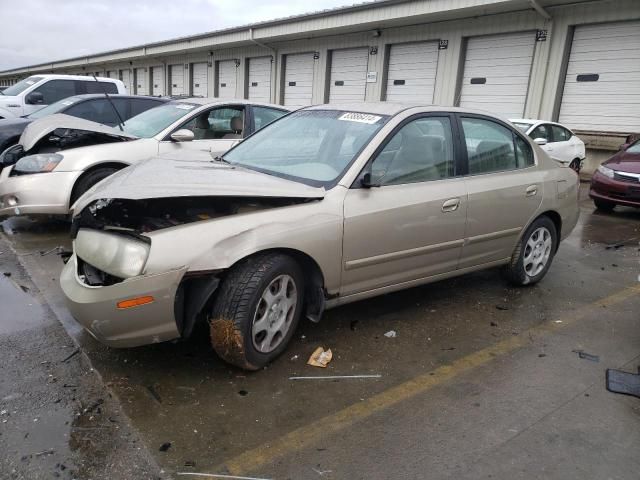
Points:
(283, 75)
(387, 58)
(329, 71)
(463, 60)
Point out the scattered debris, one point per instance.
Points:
(294, 358)
(390, 334)
(321, 472)
(218, 475)
(152, 391)
(587, 356)
(165, 446)
(614, 246)
(448, 349)
(623, 382)
(71, 355)
(542, 355)
(502, 307)
(6, 274)
(189, 463)
(493, 324)
(614, 264)
(335, 377)
(243, 393)
(352, 325)
(51, 451)
(320, 357)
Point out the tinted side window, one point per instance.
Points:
(560, 134)
(490, 146)
(262, 116)
(55, 90)
(420, 151)
(139, 105)
(542, 131)
(100, 87)
(524, 153)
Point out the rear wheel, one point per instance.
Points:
(533, 255)
(89, 179)
(257, 310)
(604, 205)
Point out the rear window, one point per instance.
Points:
(100, 87)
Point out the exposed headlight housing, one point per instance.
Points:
(112, 253)
(38, 163)
(606, 171)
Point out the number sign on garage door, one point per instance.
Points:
(157, 75)
(260, 79)
(141, 81)
(176, 75)
(348, 75)
(411, 75)
(496, 73)
(227, 72)
(602, 85)
(199, 80)
(298, 79)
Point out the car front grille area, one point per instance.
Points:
(94, 277)
(625, 178)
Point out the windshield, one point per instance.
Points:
(310, 146)
(155, 120)
(53, 108)
(634, 147)
(522, 126)
(21, 86)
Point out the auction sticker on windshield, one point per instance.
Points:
(185, 107)
(359, 117)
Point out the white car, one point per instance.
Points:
(558, 141)
(38, 91)
(59, 157)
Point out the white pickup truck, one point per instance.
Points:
(37, 91)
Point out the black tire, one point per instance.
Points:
(237, 303)
(88, 180)
(516, 272)
(604, 205)
(575, 165)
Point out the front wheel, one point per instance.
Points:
(533, 255)
(604, 205)
(88, 180)
(257, 310)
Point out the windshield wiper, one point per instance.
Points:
(219, 159)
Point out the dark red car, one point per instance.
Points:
(617, 181)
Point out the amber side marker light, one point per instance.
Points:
(135, 302)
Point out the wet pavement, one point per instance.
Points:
(481, 381)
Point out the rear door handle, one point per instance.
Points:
(532, 190)
(451, 205)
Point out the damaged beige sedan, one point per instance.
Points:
(328, 205)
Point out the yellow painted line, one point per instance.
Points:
(309, 435)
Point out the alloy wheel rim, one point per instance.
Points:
(274, 314)
(537, 251)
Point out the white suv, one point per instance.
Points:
(35, 92)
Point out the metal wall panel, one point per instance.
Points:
(142, 81)
(199, 79)
(496, 73)
(602, 84)
(348, 78)
(259, 81)
(298, 79)
(411, 74)
(176, 75)
(157, 76)
(227, 79)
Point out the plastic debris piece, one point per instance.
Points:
(165, 446)
(320, 357)
(390, 334)
(587, 356)
(626, 383)
(336, 377)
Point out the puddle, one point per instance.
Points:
(20, 311)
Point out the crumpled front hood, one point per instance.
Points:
(45, 126)
(166, 176)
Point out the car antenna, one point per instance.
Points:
(104, 90)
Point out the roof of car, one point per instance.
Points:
(74, 77)
(87, 96)
(226, 101)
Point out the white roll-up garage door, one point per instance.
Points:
(157, 87)
(141, 81)
(348, 75)
(176, 74)
(496, 73)
(602, 85)
(112, 74)
(298, 79)
(227, 72)
(199, 80)
(411, 76)
(125, 76)
(260, 79)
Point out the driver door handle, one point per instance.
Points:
(532, 190)
(451, 205)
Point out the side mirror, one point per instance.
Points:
(623, 147)
(182, 135)
(34, 98)
(540, 141)
(367, 181)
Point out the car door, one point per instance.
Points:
(412, 225)
(564, 148)
(52, 91)
(504, 189)
(215, 130)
